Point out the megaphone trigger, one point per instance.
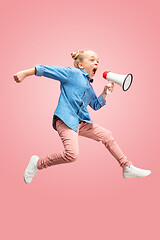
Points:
(109, 85)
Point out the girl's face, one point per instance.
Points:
(89, 63)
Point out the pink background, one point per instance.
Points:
(88, 199)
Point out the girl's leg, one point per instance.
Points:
(71, 149)
(99, 133)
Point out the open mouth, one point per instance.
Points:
(94, 71)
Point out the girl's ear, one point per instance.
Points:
(80, 65)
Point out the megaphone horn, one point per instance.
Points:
(124, 80)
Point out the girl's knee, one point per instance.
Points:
(71, 156)
(108, 137)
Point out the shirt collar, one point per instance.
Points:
(86, 74)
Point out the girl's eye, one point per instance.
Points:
(93, 60)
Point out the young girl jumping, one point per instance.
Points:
(71, 117)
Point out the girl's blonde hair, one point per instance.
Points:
(77, 55)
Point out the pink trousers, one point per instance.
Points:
(71, 148)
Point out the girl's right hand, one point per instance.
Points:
(19, 76)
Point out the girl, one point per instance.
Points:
(71, 117)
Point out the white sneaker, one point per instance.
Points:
(31, 169)
(131, 171)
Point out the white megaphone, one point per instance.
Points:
(124, 80)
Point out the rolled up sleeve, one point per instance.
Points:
(97, 102)
(61, 74)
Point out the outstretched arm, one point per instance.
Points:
(20, 76)
(61, 74)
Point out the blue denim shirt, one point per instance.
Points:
(76, 94)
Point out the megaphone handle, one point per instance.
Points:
(109, 84)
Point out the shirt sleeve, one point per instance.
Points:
(61, 74)
(97, 102)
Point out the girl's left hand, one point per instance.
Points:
(110, 88)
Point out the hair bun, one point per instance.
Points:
(75, 54)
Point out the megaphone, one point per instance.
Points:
(124, 80)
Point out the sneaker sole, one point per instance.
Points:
(132, 176)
